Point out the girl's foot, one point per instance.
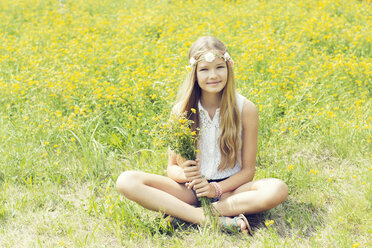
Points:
(236, 224)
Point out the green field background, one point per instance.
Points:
(85, 85)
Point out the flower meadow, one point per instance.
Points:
(87, 85)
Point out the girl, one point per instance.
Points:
(225, 167)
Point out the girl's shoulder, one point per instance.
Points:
(245, 104)
(248, 110)
(176, 109)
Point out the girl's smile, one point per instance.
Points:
(212, 76)
(214, 83)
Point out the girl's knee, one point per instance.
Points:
(127, 181)
(279, 192)
(282, 190)
(276, 193)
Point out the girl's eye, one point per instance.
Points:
(220, 67)
(203, 69)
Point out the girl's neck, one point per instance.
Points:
(210, 102)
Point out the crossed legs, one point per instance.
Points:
(161, 193)
(253, 197)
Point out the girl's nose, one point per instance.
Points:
(213, 74)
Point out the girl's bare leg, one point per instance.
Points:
(253, 197)
(160, 193)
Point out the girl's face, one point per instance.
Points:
(212, 76)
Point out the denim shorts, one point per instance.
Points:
(198, 204)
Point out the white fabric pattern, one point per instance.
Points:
(210, 156)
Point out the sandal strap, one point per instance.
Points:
(249, 229)
(233, 227)
(235, 223)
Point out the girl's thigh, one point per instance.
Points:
(270, 188)
(266, 184)
(133, 180)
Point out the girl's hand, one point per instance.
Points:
(188, 163)
(191, 169)
(202, 188)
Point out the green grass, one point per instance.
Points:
(84, 88)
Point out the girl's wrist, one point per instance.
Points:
(217, 189)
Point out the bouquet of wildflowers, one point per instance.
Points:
(182, 140)
(180, 137)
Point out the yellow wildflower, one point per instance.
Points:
(269, 223)
(356, 245)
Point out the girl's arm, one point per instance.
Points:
(174, 171)
(183, 173)
(249, 150)
(249, 119)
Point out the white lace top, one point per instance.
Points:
(210, 156)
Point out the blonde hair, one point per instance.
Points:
(189, 96)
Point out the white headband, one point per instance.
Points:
(209, 57)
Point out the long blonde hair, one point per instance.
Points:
(189, 96)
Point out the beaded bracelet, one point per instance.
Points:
(217, 188)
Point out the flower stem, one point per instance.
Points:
(207, 208)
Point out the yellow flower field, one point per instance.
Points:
(86, 85)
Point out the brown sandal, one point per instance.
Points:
(234, 227)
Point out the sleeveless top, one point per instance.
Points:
(210, 156)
